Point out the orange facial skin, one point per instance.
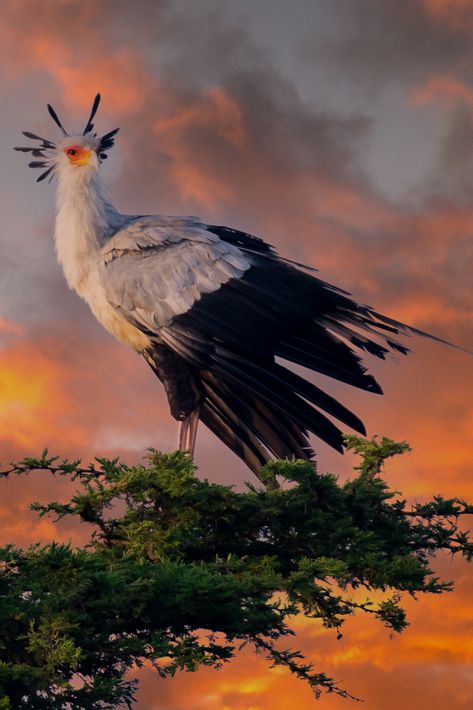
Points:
(77, 154)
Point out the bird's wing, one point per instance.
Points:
(227, 305)
(156, 268)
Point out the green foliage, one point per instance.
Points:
(181, 573)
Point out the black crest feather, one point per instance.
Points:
(107, 141)
(33, 136)
(55, 118)
(46, 173)
(37, 164)
(89, 124)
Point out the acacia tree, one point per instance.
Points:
(181, 573)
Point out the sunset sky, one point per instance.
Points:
(342, 133)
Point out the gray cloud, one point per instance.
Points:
(379, 41)
(452, 174)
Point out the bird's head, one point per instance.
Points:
(84, 151)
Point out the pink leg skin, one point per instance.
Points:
(183, 427)
(188, 432)
(192, 431)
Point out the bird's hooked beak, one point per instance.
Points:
(84, 158)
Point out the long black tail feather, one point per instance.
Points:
(248, 426)
(410, 330)
(263, 382)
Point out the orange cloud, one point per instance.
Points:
(444, 89)
(31, 400)
(215, 111)
(49, 43)
(457, 14)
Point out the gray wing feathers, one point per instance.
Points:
(155, 269)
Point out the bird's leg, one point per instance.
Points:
(188, 432)
(184, 390)
(182, 436)
(192, 431)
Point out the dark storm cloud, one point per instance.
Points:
(275, 132)
(254, 123)
(388, 40)
(424, 47)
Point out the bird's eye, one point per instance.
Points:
(71, 151)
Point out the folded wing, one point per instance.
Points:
(227, 306)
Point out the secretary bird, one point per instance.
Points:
(210, 308)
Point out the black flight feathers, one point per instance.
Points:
(106, 142)
(232, 341)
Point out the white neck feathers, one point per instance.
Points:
(85, 220)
